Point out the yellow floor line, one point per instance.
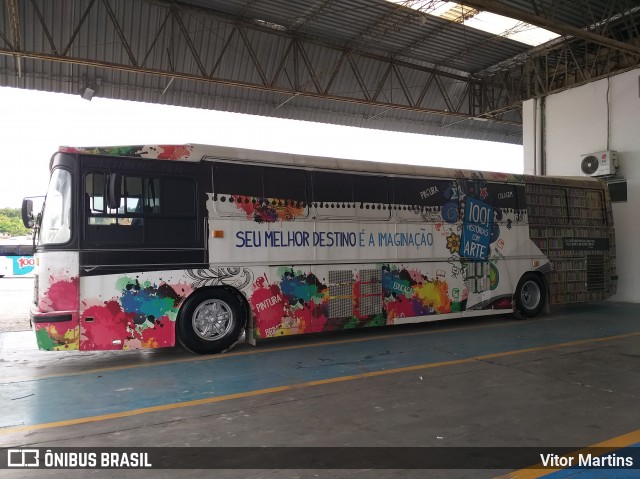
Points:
(604, 447)
(260, 392)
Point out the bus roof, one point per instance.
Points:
(199, 152)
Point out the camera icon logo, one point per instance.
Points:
(23, 457)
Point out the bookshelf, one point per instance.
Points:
(569, 224)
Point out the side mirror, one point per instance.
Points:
(114, 191)
(27, 213)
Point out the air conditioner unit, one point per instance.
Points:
(600, 163)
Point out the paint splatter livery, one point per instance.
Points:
(408, 293)
(298, 302)
(268, 210)
(160, 152)
(293, 305)
(141, 317)
(60, 300)
(397, 246)
(57, 336)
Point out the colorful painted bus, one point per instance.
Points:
(143, 246)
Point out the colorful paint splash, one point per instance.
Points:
(294, 305)
(173, 152)
(299, 303)
(62, 295)
(128, 150)
(141, 317)
(409, 293)
(58, 336)
(268, 210)
(160, 152)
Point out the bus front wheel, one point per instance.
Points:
(530, 297)
(211, 321)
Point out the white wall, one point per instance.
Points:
(575, 124)
(529, 136)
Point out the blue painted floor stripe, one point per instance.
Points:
(61, 398)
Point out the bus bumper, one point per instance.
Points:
(56, 330)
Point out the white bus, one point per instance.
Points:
(16, 257)
(143, 246)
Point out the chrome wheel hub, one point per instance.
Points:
(212, 319)
(530, 295)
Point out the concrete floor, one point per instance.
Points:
(571, 379)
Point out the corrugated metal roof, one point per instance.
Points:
(365, 63)
(581, 14)
(381, 27)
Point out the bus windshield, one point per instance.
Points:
(56, 218)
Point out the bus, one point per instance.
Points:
(16, 258)
(146, 246)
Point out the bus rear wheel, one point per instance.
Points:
(530, 297)
(211, 321)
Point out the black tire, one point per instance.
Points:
(211, 321)
(530, 297)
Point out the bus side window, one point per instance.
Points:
(371, 196)
(152, 195)
(94, 193)
(95, 205)
(508, 201)
(425, 200)
(236, 188)
(178, 197)
(333, 195)
(237, 180)
(133, 194)
(176, 223)
(286, 186)
(131, 207)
